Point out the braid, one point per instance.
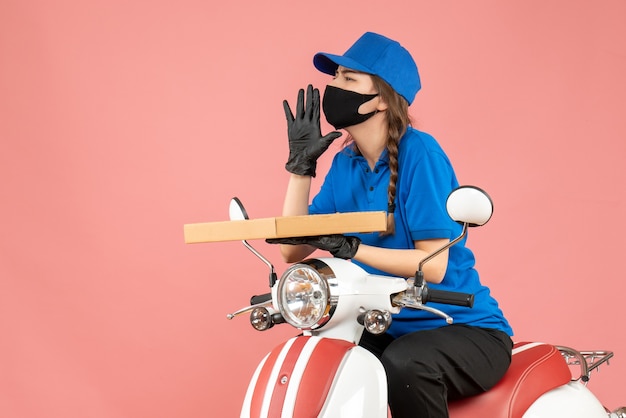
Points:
(392, 152)
(398, 120)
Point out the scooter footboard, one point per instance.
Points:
(313, 376)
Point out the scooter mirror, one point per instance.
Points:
(469, 205)
(236, 211)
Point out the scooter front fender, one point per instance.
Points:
(317, 377)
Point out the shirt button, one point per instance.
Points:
(371, 188)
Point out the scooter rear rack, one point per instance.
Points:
(587, 360)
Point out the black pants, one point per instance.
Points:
(426, 369)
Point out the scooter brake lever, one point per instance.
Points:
(411, 299)
(248, 309)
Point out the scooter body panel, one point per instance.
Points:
(359, 389)
(573, 400)
(313, 376)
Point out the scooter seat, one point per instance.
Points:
(536, 368)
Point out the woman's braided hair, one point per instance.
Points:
(398, 120)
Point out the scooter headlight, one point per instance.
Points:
(304, 297)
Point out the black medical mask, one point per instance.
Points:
(341, 107)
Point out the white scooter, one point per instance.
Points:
(324, 373)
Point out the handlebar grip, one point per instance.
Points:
(260, 298)
(447, 297)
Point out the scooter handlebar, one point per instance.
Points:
(448, 297)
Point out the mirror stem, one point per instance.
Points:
(273, 277)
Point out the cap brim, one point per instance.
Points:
(328, 63)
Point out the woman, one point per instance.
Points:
(389, 165)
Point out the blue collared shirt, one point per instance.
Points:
(425, 178)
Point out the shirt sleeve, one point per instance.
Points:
(431, 180)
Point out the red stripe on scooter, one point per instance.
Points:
(318, 376)
(256, 403)
(284, 377)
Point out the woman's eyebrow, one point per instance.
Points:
(344, 71)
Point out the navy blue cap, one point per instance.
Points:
(378, 55)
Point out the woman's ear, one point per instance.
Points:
(382, 104)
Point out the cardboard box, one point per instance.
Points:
(285, 226)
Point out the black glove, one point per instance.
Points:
(338, 245)
(306, 142)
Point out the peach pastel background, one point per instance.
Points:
(120, 121)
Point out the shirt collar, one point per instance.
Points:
(383, 159)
